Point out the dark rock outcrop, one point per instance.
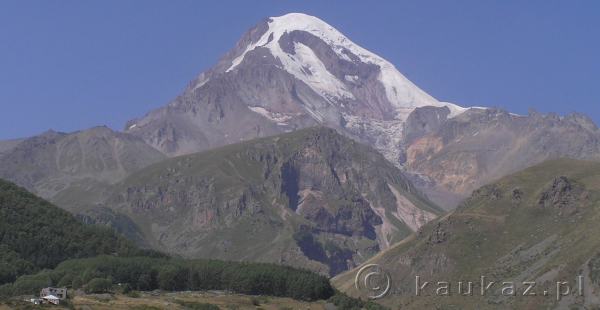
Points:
(561, 193)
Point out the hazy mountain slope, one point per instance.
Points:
(311, 198)
(7, 145)
(34, 234)
(481, 145)
(53, 162)
(539, 224)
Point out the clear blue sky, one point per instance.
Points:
(71, 65)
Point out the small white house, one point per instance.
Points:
(52, 299)
(60, 292)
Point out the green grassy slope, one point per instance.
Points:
(539, 224)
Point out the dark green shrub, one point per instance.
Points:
(126, 289)
(6, 290)
(98, 285)
(133, 294)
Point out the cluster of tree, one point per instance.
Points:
(36, 235)
(171, 274)
(99, 285)
(345, 302)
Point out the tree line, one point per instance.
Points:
(174, 274)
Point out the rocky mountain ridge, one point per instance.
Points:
(310, 198)
(54, 162)
(481, 145)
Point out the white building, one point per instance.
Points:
(59, 292)
(52, 299)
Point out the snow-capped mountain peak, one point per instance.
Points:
(292, 72)
(400, 92)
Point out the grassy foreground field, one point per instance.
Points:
(167, 300)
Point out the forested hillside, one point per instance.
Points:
(35, 234)
(174, 274)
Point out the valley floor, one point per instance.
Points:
(164, 300)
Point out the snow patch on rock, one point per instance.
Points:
(278, 118)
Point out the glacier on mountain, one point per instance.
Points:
(400, 92)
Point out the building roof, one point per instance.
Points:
(50, 297)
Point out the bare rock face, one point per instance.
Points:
(423, 121)
(562, 193)
(515, 197)
(439, 234)
(484, 144)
